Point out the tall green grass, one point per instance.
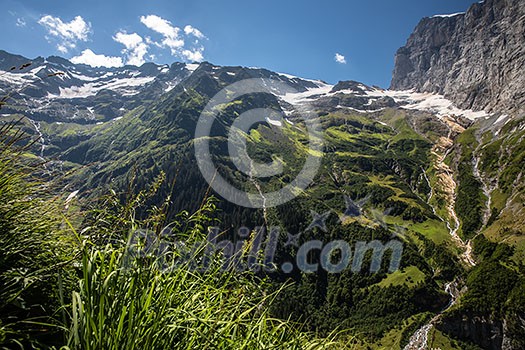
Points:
(119, 306)
(33, 252)
(68, 281)
(154, 299)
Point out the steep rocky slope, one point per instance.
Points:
(477, 58)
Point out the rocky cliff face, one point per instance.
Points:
(476, 59)
(486, 333)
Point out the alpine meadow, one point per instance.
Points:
(188, 204)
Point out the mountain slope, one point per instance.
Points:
(377, 143)
(56, 90)
(477, 60)
(426, 172)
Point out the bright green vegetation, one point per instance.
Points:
(433, 229)
(361, 158)
(439, 340)
(32, 247)
(411, 277)
(78, 286)
(502, 163)
(496, 289)
(470, 200)
(395, 338)
(365, 159)
(144, 308)
(146, 162)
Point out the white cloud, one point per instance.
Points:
(67, 33)
(194, 55)
(340, 58)
(173, 44)
(20, 22)
(62, 48)
(160, 25)
(173, 38)
(169, 32)
(193, 31)
(90, 58)
(135, 47)
(130, 41)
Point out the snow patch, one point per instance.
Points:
(169, 87)
(119, 85)
(76, 92)
(36, 70)
(14, 79)
(347, 92)
(432, 103)
(82, 77)
(408, 99)
(302, 97)
(293, 77)
(370, 101)
(501, 118)
(448, 15)
(274, 122)
(192, 67)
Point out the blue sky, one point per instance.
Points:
(328, 40)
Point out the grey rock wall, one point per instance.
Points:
(476, 59)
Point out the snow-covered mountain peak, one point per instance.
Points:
(55, 89)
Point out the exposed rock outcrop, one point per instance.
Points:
(476, 59)
(485, 332)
